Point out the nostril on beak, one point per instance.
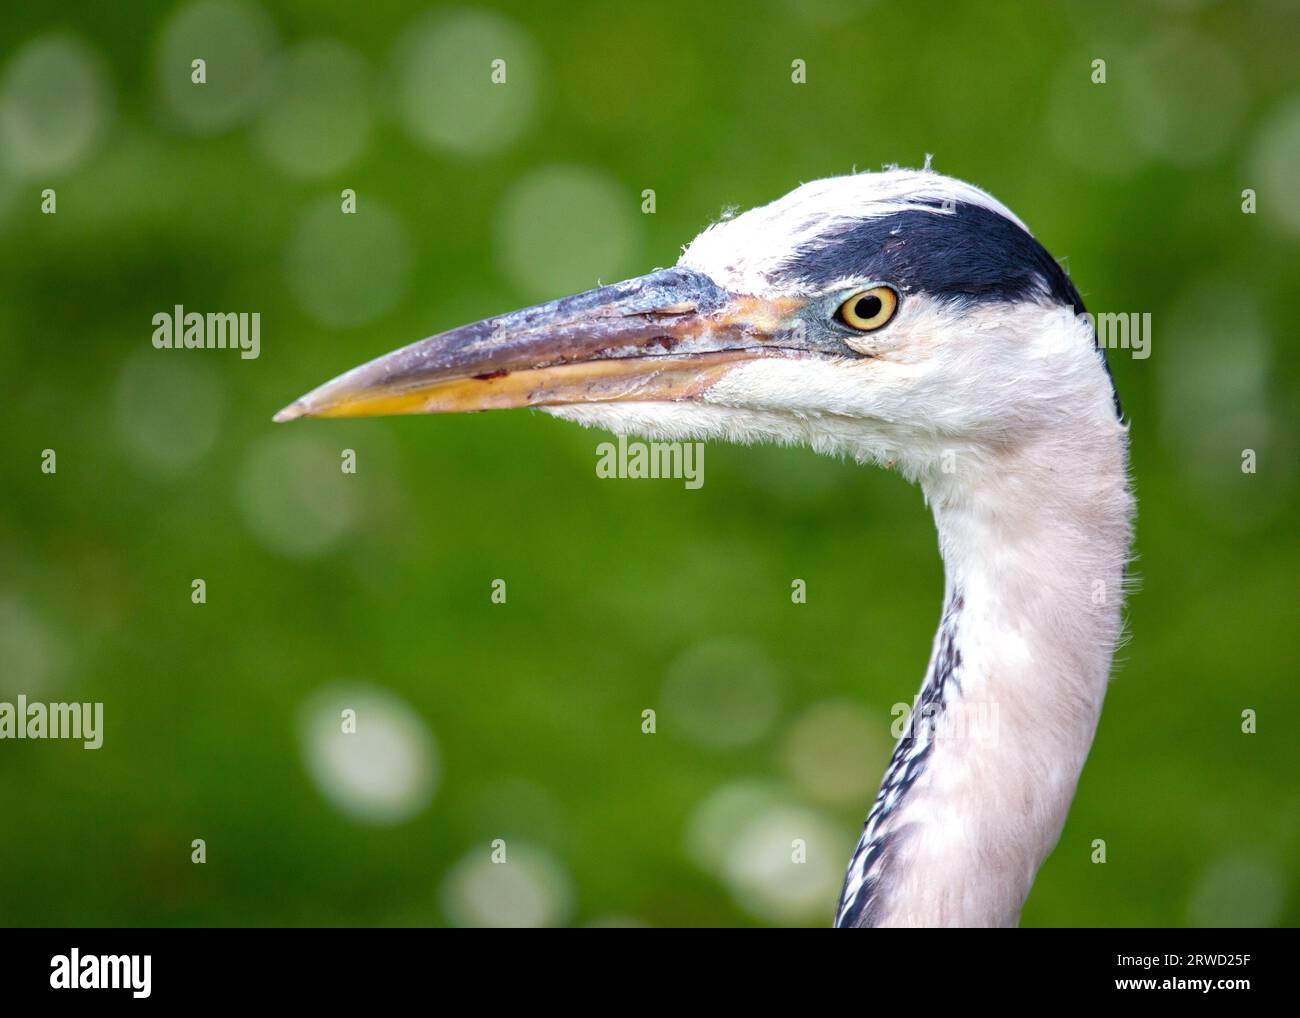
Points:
(672, 310)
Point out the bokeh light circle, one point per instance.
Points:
(317, 117)
(383, 771)
(716, 821)
(834, 753)
(781, 860)
(1187, 98)
(617, 922)
(32, 652)
(9, 189)
(786, 865)
(528, 890)
(445, 94)
(236, 40)
(566, 228)
(1272, 168)
(293, 495)
(721, 694)
(55, 105)
(167, 409)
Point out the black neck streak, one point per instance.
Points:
(862, 905)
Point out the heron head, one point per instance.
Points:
(883, 315)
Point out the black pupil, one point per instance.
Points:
(867, 308)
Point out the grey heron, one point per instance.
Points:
(911, 320)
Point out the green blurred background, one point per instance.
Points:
(522, 721)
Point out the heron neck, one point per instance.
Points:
(1034, 541)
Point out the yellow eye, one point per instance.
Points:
(870, 309)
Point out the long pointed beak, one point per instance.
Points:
(668, 335)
